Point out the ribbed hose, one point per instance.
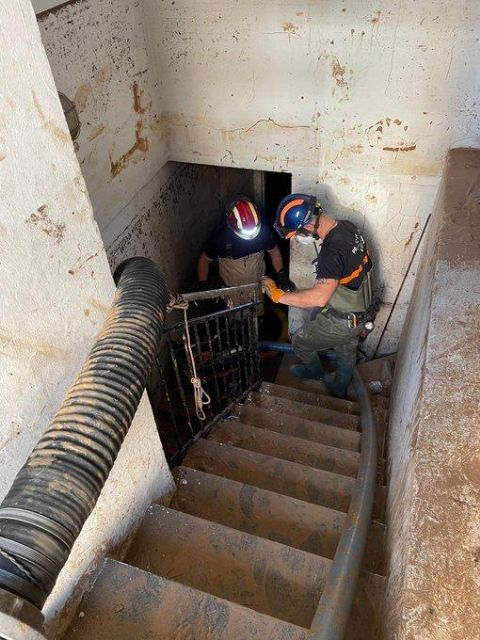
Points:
(56, 490)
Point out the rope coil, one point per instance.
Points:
(201, 397)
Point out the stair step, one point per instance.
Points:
(300, 427)
(287, 478)
(266, 576)
(367, 621)
(286, 447)
(309, 527)
(300, 410)
(310, 397)
(127, 603)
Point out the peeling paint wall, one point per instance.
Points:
(434, 450)
(359, 100)
(98, 54)
(142, 204)
(56, 290)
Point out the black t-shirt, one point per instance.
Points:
(344, 256)
(223, 243)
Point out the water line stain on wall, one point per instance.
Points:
(141, 142)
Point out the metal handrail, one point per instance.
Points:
(228, 373)
(333, 612)
(194, 296)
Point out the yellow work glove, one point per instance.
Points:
(270, 288)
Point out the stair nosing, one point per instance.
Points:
(287, 436)
(235, 413)
(334, 475)
(338, 430)
(352, 403)
(287, 498)
(108, 560)
(300, 405)
(382, 524)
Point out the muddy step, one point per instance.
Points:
(266, 576)
(286, 447)
(310, 397)
(299, 427)
(127, 603)
(300, 410)
(305, 526)
(287, 478)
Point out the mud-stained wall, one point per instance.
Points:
(359, 100)
(98, 54)
(434, 449)
(174, 215)
(56, 290)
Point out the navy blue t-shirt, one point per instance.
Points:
(223, 243)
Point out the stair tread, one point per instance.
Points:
(286, 447)
(263, 575)
(303, 525)
(299, 427)
(127, 603)
(266, 576)
(281, 476)
(299, 409)
(310, 397)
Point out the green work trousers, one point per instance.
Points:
(326, 332)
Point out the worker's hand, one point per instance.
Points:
(284, 281)
(270, 288)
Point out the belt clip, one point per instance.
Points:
(352, 321)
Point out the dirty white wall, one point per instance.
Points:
(358, 99)
(56, 290)
(434, 444)
(99, 59)
(143, 205)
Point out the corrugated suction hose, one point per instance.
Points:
(56, 490)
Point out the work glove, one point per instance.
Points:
(284, 281)
(270, 288)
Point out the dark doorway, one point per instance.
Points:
(277, 186)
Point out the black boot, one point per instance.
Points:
(311, 371)
(338, 385)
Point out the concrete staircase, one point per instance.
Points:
(245, 547)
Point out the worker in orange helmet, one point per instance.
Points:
(239, 245)
(340, 301)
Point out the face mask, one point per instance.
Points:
(305, 239)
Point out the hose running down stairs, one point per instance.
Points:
(56, 490)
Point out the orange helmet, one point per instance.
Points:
(244, 218)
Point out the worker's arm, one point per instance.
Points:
(277, 259)
(317, 296)
(203, 267)
(282, 278)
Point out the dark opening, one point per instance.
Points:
(277, 186)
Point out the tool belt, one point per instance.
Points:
(354, 318)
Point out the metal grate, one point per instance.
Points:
(225, 351)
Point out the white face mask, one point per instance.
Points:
(305, 239)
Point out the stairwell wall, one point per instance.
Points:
(434, 447)
(56, 288)
(143, 204)
(359, 100)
